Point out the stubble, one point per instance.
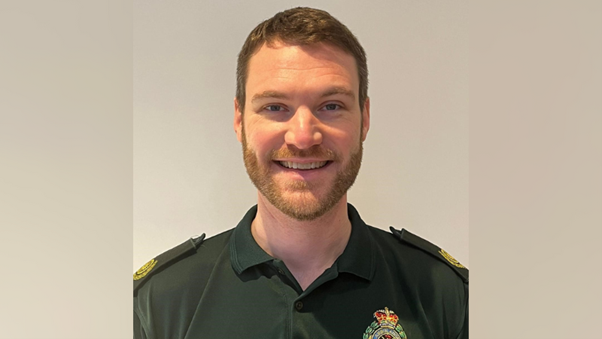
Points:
(307, 206)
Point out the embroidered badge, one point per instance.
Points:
(143, 271)
(385, 326)
(451, 259)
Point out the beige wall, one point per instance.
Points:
(66, 154)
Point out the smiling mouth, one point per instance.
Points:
(300, 166)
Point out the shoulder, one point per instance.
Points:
(174, 262)
(420, 253)
(431, 278)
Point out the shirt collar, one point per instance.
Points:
(244, 250)
(357, 258)
(359, 255)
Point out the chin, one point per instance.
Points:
(302, 206)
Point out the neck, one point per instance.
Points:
(307, 248)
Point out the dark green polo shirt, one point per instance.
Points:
(230, 288)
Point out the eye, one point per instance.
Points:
(274, 108)
(331, 107)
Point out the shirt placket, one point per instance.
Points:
(298, 318)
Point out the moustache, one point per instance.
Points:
(317, 151)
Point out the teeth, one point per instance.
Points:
(295, 165)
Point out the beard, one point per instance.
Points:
(306, 205)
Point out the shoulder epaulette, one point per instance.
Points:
(432, 249)
(165, 259)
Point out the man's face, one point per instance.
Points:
(302, 129)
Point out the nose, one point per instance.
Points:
(303, 129)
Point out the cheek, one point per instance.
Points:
(262, 142)
(343, 140)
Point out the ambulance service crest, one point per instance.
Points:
(385, 326)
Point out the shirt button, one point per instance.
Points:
(299, 305)
(280, 271)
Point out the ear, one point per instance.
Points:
(237, 120)
(366, 119)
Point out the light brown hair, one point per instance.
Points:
(301, 26)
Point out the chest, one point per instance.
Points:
(268, 304)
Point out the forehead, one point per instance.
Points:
(282, 64)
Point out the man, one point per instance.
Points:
(302, 263)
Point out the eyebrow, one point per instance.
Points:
(338, 90)
(269, 94)
(279, 95)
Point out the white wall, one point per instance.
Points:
(189, 177)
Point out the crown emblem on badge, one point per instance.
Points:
(386, 317)
(386, 326)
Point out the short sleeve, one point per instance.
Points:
(139, 332)
(464, 329)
